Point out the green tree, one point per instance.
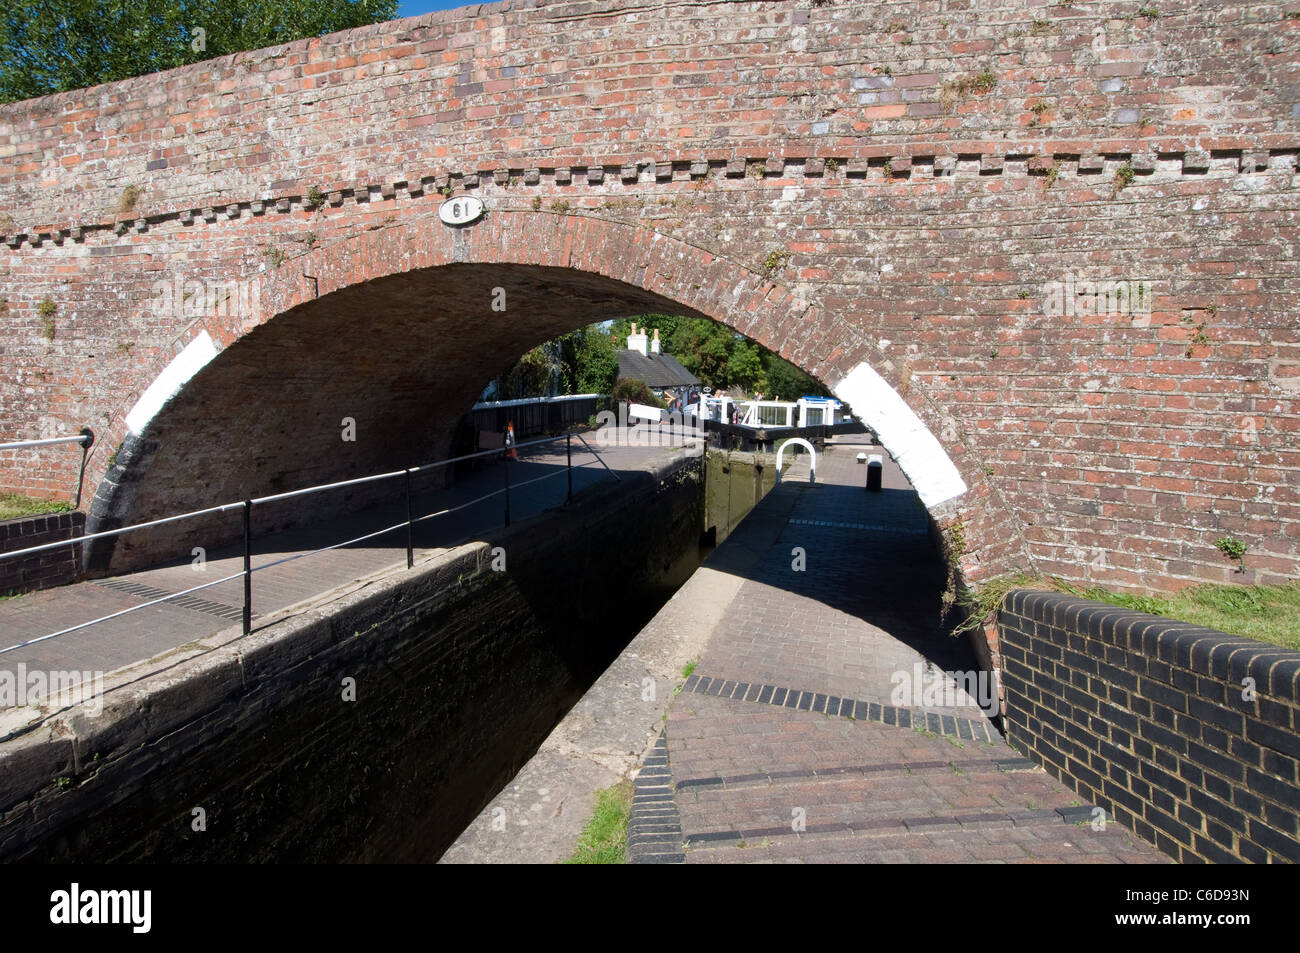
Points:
(788, 381)
(55, 45)
(530, 376)
(596, 362)
(703, 347)
(745, 367)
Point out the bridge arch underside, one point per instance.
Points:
(391, 364)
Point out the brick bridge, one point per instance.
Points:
(881, 193)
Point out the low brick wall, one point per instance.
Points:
(54, 567)
(1155, 721)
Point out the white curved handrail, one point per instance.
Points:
(780, 454)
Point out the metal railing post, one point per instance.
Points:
(248, 566)
(410, 528)
(568, 452)
(505, 467)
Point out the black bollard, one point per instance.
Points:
(875, 470)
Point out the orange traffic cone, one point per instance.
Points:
(510, 441)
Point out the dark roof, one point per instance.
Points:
(657, 370)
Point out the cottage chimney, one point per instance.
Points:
(637, 342)
(654, 345)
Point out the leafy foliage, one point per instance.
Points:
(58, 45)
(539, 372)
(635, 392)
(721, 358)
(586, 361)
(596, 364)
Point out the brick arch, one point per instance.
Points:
(533, 253)
(922, 208)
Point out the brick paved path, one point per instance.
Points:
(142, 634)
(751, 752)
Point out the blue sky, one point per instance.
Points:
(413, 8)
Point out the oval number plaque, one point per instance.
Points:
(461, 210)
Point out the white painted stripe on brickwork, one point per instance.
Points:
(174, 376)
(903, 434)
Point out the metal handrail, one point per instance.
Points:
(225, 507)
(246, 507)
(48, 442)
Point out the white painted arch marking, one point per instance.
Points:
(175, 375)
(780, 455)
(903, 434)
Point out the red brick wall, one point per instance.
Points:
(695, 148)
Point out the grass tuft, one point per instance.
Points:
(13, 505)
(1265, 613)
(604, 839)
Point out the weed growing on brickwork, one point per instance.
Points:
(1123, 176)
(888, 168)
(756, 170)
(885, 70)
(309, 239)
(129, 198)
(1148, 13)
(832, 165)
(6, 224)
(274, 256)
(1053, 174)
(315, 197)
(978, 83)
(1041, 27)
(1199, 338)
(46, 309)
(559, 205)
(1233, 548)
(774, 262)
(954, 547)
(537, 203)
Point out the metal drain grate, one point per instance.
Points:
(220, 609)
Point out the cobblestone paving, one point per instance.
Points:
(759, 783)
